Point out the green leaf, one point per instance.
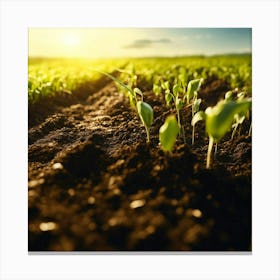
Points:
(156, 89)
(179, 103)
(193, 86)
(168, 133)
(196, 105)
(165, 85)
(229, 95)
(239, 118)
(138, 91)
(199, 116)
(116, 80)
(219, 118)
(168, 98)
(176, 89)
(183, 78)
(146, 113)
(241, 95)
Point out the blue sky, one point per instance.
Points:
(137, 42)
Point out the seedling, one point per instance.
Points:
(156, 89)
(238, 118)
(179, 94)
(193, 86)
(229, 95)
(178, 102)
(218, 120)
(183, 80)
(132, 77)
(143, 109)
(168, 133)
(146, 114)
(131, 93)
(195, 109)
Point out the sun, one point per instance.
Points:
(71, 40)
(70, 44)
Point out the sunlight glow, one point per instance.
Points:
(135, 42)
(71, 40)
(70, 44)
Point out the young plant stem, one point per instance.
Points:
(210, 146)
(193, 126)
(181, 131)
(179, 120)
(148, 134)
(250, 130)
(234, 131)
(193, 135)
(215, 151)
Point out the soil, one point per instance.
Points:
(96, 185)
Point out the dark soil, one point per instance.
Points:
(96, 185)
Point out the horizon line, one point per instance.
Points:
(150, 56)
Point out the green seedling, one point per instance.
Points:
(156, 89)
(195, 109)
(239, 118)
(168, 133)
(146, 114)
(144, 110)
(218, 120)
(229, 95)
(193, 86)
(165, 86)
(183, 77)
(191, 94)
(132, 77)
(179, 95)
(131, 93)
(178, 102)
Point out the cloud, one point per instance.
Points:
(146, 43)
(163, 41)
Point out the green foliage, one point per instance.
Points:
(229, 95)
(168, 98)
(220, 117)
(239, 118)
(132, 93)
(48, 78)
(196, 105)
(156, 89)
(178, 80)
(146, 114)
(193, 86)
(144, 110)
(168, 133)
(199, 116)
(218, 120)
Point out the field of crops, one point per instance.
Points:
(150, 154)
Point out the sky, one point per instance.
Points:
(137, 42)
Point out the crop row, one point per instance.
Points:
(227, 114)
(177, 80)
(234, 70)
(49, 78)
